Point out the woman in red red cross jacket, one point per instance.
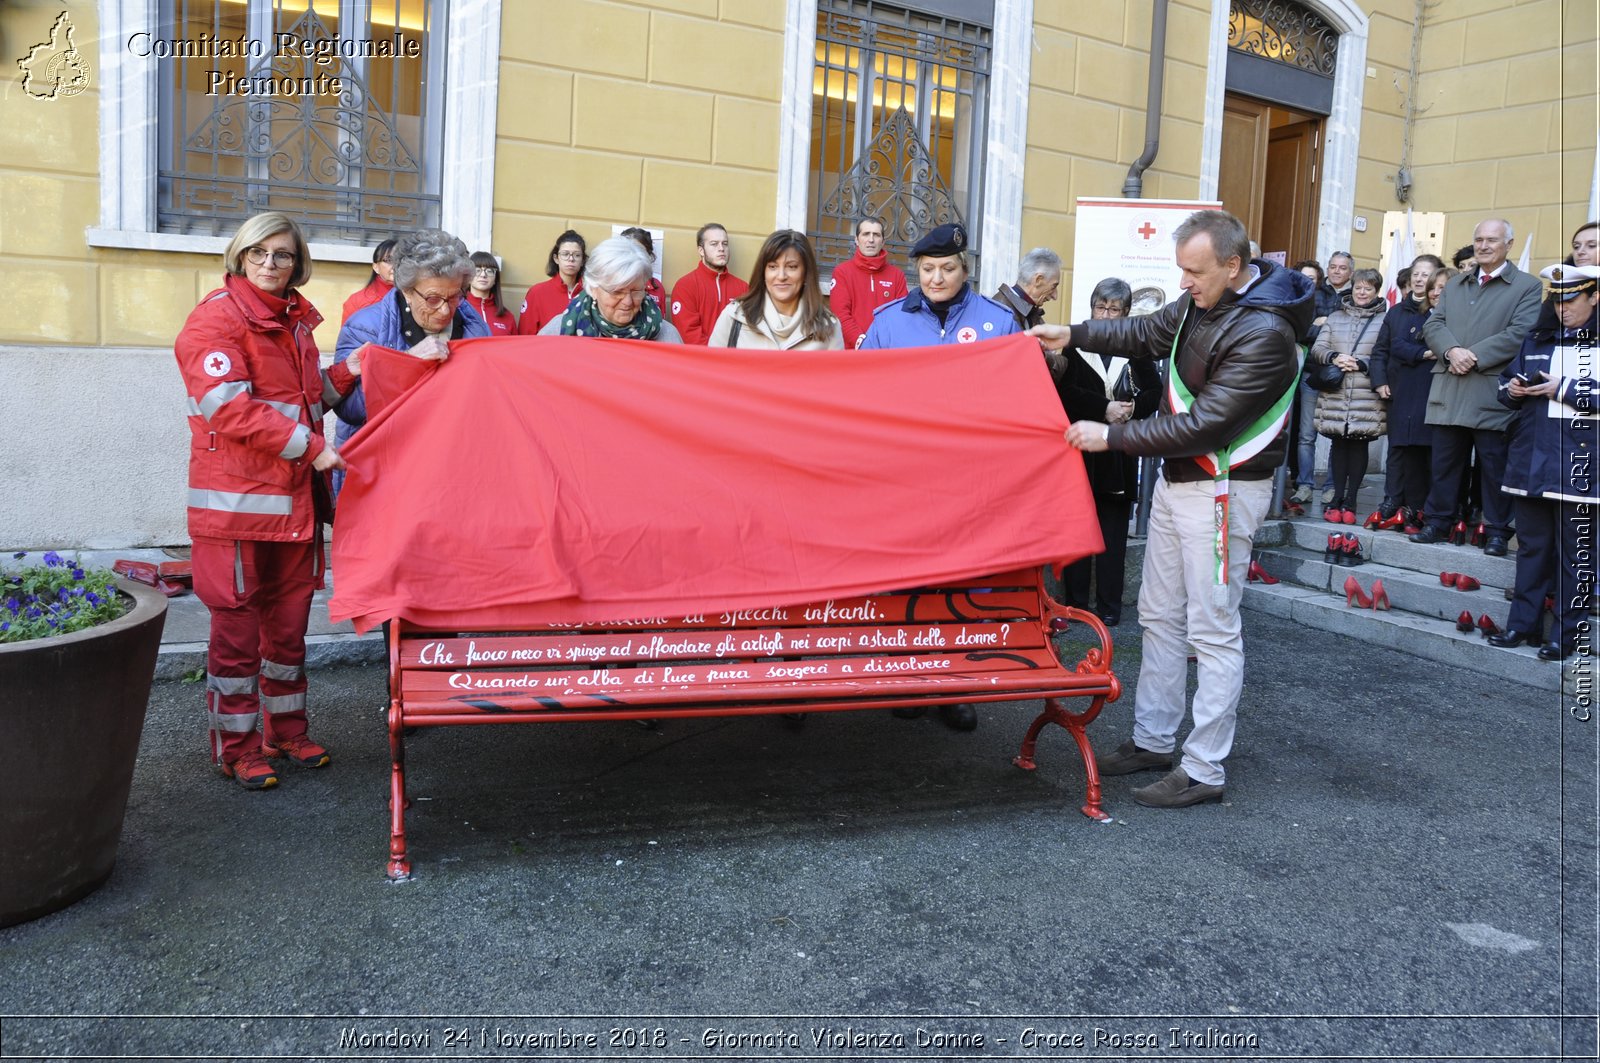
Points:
(257, 487)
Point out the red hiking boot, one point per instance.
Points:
(301, 751)
(250, 771)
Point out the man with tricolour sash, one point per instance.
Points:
(1231, 383)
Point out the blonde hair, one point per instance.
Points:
(259, 228)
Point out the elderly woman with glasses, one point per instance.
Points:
(613, 303)
(427, 309)
(257, 496)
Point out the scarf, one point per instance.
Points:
(776, 325)
(1261, 432)
(583, 318)
(874, 264)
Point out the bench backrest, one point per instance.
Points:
(903, 642)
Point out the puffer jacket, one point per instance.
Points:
(1238, 358)
(1354, 411)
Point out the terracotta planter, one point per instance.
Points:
(71, 711)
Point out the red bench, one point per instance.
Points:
(988, 639)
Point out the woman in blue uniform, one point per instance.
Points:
(1550, 467)
(943, 308)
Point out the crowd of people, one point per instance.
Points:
(1467, 372)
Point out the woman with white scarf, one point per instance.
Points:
(1098, 387)
(784, 309)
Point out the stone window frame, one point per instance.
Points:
(1011, 57)
(129, 109)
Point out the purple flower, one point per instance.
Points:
(34, 612)
(5, 625)
(77, 573)
(13, 605)
(52, 558)
(20, 554)
(61, 593)
(94, 599)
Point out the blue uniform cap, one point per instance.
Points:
(942, 242)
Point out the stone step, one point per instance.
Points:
(1422, 636)
(1395, 549)
(1409, 590)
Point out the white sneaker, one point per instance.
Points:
(1327, 497)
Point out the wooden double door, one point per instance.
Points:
(1270, 173)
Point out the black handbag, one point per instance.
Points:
(1325, 377)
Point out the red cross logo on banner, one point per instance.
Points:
(217, 364)
(967, 335)
(1146, 230)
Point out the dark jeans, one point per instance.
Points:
(1347, 461)
(1554, 556)
(1109, 568)
(1406, 477)
(1452, 450)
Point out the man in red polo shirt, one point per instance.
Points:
(699, 295)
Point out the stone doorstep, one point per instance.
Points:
(1420, 636)
(1394, 549)
(1409, 590)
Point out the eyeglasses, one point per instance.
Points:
(1110, 309)
(484, 271)
(636, 294)
(570, 256)
(436, 302)
(258, 256)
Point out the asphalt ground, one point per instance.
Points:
(1404, 867)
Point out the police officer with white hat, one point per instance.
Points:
(1551, 468)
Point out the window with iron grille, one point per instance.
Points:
(898, 117)
(331, 114)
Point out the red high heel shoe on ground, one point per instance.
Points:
(1354, 595)
(1257, 574)
(1487, 626)
(1380, 594)
(1479, 535)
(1458, 534)
(1412, 522)
(1347, 515)
(1464, 621)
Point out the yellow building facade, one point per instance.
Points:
(599, 114)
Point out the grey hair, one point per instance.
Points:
(1112, 290)
(430, 253)
(1369, 277)
(1041, 261)
(1227, 235)
(614, 263)
(1511, 233)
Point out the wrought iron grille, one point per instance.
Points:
(1285, 32)
(899, 107)
(330, 114)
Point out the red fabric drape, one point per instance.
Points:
(560, 479)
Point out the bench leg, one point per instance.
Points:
(399, 864)
(1076, 725)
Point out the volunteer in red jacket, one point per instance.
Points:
(863, 282)
(548, 300)
(700, 295)
(257, 488)
(483, 293)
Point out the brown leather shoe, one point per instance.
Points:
(1129, 758)
(1177, 790)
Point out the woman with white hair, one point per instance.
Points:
(613, 303)
(427, 309)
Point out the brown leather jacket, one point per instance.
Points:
(1238, 358)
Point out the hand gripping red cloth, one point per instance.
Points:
(539, 480)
